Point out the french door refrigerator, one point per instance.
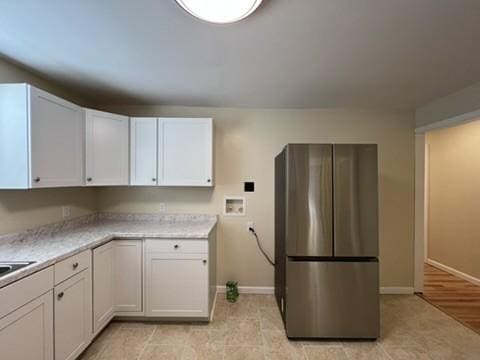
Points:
(326, 240)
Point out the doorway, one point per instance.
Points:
(447, 228)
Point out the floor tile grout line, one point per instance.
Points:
(147, 342)
(385, 351)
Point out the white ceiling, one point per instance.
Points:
(289, 54)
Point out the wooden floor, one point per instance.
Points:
(453, 295)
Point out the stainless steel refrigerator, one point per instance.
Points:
(326, 240)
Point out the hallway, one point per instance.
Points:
(453, 295)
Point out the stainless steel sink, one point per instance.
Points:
(9, 267)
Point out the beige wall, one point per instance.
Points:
(24, 209)
(246, 142)
(454, 197)
(458, 103)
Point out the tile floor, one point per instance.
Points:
(252, 329)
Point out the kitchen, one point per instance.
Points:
(145, 186)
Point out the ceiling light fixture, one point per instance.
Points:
(220, 11)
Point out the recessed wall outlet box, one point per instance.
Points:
(234, 206)
(250, 224)
(162, 207)
(65, 212)
(249, 186)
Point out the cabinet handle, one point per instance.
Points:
(60, 295)
(75, 265)
(37, 179)
(175, 246)
(89, 179)
(204, 261)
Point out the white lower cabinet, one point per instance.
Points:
(43, 321)
(73, 315)
(176, 285)
(103, 286)
(27, 333)
(128, 268)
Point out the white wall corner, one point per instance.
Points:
(421, 207)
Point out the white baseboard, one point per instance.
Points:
(268, 290)
(396, 290)
(453, 271)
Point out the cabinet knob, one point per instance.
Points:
(37, 179)
(209, 180)
(89, 179)
(153, 179)
(60, 295)
(75, 265)
(204, 261)
(175, 246)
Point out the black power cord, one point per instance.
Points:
(252, 230)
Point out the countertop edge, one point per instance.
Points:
(38, 266)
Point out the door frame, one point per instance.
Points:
(422, 189)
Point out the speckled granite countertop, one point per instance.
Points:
(49, 244)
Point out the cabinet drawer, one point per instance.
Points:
(176, 246)
(72, 265)
(21, 292)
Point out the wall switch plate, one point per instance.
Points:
(250, 224)
(66, 212)
(162, 207)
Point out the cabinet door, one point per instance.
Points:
(176, 285)
(27, 333)
(143, 151)
(185, 152)
(57, 129)
(103, 288)
(106, 148)
(128, 275)
(73, 316)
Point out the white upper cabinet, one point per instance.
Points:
(41, 139)
(46, 141)
(107, 153)
(143, 151)
(185, 150)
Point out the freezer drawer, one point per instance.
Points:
(332, 299)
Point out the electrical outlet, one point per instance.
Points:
(250, 224)
(65, 212)
(162, 207)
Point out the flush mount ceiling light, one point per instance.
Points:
(220, 11)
